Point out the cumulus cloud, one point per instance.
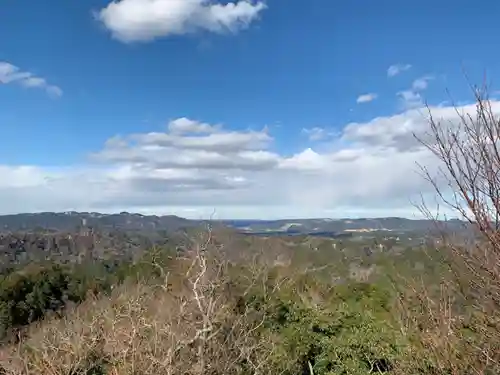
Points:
(396, 69)
(365, 98)
(145, 20)
(10, 73)
(193, 146)
(192, 168)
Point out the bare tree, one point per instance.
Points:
(468, 184)
(183, 321)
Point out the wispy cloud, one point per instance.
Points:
(422, 83)
(396, 69)
(10, 73)
(365, 98)
(318, 134)
(412, 98)
(145, 20)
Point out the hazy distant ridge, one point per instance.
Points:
(129, 221)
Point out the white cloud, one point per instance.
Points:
(318, 134)
(188, 146)
(185, 125)
(54, 91)
(145, 20)
(421, 83)
(10, 73)
(412, 98)
(365, 98)
(33, 82)
(227, 141)
(396, 69)
(368, 170)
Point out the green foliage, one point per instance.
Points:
(154, 264)
(26, 295)
(349, 331)
(29, 293)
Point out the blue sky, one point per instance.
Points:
(311, 75)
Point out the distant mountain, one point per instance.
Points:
(124, 221)
(70, 221)
(338, 226)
